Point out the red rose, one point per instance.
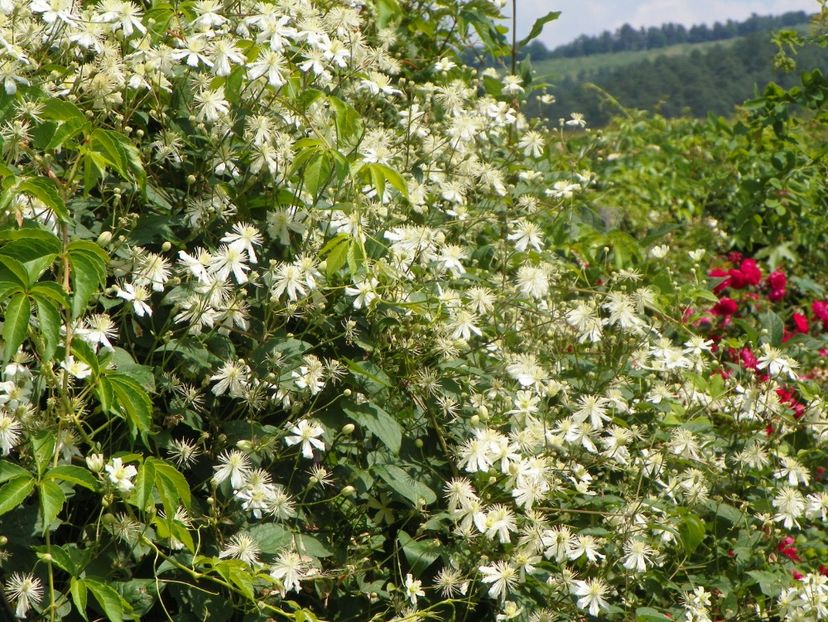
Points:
(737, 279)
(725, 307)
(777, 280)
(776, 295)
(800, 323)
(749, 360)
(720, 273)
(751, 272)
(820, 309)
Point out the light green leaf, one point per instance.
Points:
(270, 537)
(43, 447)
(52, 499)
(14, 493)
(79, 595)
(144, 483)
(73, 475)
(10, 470)
(692, 532)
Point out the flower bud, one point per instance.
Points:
(166, 246)
(348, 491)
(95, 462)
(348, 428)
(104, 238)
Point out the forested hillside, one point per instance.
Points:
(629, 39)
(696, 80)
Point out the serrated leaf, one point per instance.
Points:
(16, 324)
(14, 493)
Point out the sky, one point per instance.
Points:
(594, 16)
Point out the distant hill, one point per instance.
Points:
(684, 79)
(629, 39)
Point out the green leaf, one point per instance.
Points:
(537, 27)
(110, 601)
(44, 190)
(14, 270)
(420, 554)
(171, 485)
(88, 273)
(16, 324)
(48, 319)
(270, 537)
(692, 532)
(770, 583)
(79, 595)
(133, 401)
(774, 326)
(59, 556)
(119, 153)
(10, 470)
(377, 421)
(43, 447)
(14, 493)
(73, 475)
(52, 499)
(405, 485)
(144, 483)
(648, 614)
(55, 109)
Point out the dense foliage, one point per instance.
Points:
(304, 319)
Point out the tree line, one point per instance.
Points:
(628, 38)
(713, 80)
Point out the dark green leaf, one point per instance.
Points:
(16, 323)
(537, 27)
(377, 421)
(44, 190)
(109, 600)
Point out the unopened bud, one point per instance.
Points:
(166, 246)
(104, 238)
(348, 491)
(348, 428)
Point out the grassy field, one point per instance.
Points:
(556, 68)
